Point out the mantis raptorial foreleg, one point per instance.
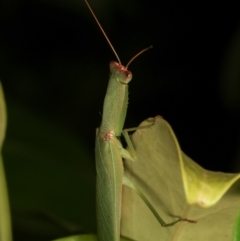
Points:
(128, 140)
(129, 184)
(131, 155)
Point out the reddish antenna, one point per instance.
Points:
(135, 56)
(105, 35)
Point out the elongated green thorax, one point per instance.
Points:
(116, 99)
(109, 165)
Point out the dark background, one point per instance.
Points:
(54, 67)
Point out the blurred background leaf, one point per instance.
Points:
(5, 216)
(54, 68)
(236, 233)
(49, 169)
(3, 117)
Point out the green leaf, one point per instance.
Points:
(86, 237)
(5, 219)
(3, 117)
(236, 232)
(176, 186)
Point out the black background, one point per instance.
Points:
(54, 64)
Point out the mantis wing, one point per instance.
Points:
(109, 168)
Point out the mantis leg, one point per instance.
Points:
(128, 183)
(128, 140)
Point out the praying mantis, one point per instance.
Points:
(109, 151)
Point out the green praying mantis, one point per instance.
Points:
(109, 152)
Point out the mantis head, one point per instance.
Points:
(123, 75)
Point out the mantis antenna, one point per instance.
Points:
(135, 56)
(105, 35)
